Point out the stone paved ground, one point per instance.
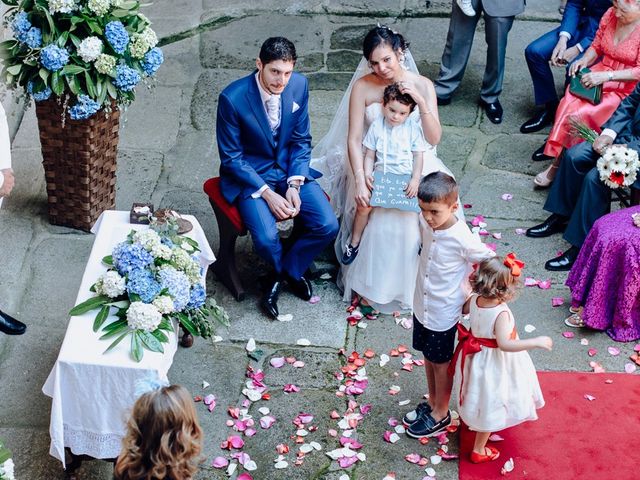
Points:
(167, 150)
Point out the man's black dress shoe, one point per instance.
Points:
(270, 300)
(540, 120)
(10, 325)
(301, 288)
(443, 101)
(493, 110)
(539, 156)
(554, 224)
(564, 262)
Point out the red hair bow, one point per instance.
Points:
(514, 264)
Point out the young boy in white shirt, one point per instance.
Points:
(442, 286)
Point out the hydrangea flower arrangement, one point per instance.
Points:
(94, 51)
(153, 277)
(6, 464)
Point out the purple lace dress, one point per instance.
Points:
(606, 276)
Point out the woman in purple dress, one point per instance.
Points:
(605, 280)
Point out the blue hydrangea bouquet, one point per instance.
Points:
(92, 52)
(152, 277)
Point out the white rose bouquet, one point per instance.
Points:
(153, 277)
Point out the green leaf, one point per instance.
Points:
(75, 40)
(120, 304)
(116, 341)
(57, 85)
(108, 260)
(101, 317)
(120, 13)
(62, 39)
(113, 93)
(72, 69)
(116, 331)
(52, 27)
(88, 305)
(191, 242)
(166, 324)
(159, 334)
(74, 86)
(134, 297)
(136, 346)
(95, 28)
(76, 19)
(102, 92)
(14, 69)
(151, 342)
(91, 87)
(188, 325)
(44, 74)
(118, 324)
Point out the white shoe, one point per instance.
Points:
(467, 7)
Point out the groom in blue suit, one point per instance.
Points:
(265, 145)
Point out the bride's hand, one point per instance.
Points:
(368, 180)
(409, 88)
(363, 194)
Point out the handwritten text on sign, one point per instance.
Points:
(388, 192)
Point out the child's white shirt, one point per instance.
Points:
(399, 142)
(442, 283)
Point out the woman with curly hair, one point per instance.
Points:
(163, 439)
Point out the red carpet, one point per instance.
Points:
(574, 438)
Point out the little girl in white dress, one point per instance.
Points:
(495, 379)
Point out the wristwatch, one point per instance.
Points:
(294, 185)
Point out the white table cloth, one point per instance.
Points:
(92, 392)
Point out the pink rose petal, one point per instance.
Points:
(407, 323)
(220, 462)
(291, 388)
(637, 348)
(412, 458)
(467, 205)
(250, 432)
(568, 334)
(491, 246)
(332, 432)
(544, 284)
(557, 301)
(597, 368)
(244, 476)
(477, 220)
(591, 398)
(298, 364)
(530, 282)
(235, 441)
(592, 352)
(629, 367)
(315, 299)
(267, 421)
(305, 418)
(506, 197)
(521, 231)
(346, 462)
(494, 437)
(365, 409)
(497, 235)
(277, 362)
(614, 351)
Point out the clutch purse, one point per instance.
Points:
(592, 95)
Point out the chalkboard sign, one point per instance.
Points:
(388, 192)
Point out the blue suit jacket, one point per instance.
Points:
(582, 17)
(245, 142)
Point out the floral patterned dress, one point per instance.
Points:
(621, 56)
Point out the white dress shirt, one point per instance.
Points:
(442, 284)
(264, 96)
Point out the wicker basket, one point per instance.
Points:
(79, 163)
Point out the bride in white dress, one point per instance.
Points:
(384, 271)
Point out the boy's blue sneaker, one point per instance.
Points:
(349, 254)
(426, 426)
(412, 417)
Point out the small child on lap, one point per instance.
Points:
(394, 143)
(442, 287)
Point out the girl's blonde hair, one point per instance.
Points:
(163, 439)
(493, 279)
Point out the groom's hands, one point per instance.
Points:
(293, 197)
(282, 208)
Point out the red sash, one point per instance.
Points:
(467, 345)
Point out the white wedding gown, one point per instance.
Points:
(384, 272)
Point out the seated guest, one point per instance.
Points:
(614, 60)
(605, 280)
(163, 439)
(578, 197)
(560, 46)
(265, 145)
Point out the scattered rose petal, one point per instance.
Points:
(497, 235)
(557, 301)
(282, 448)
(291, 388)
(251, 345)
(637, 348)
(231, 469)
(277, 362)
(597, 368)
(217, 338)
(369, 353)
(477, 220)
(250, 432)
(544, 284)
(591, 398)
(298, 364)
(267, 421)
(568, 334)
(325, 276)
(205, 384)
(521, 231)
(400, 429)
(494, 437)
(412, 458)
(592, 352)
(402, 403)
(285, 317)
(407, 323)
(281, 464)
(303, 342)
(316, 446)
(529, 328)
(210, 401)
(509, 465)
(608, 381)
(467, 205)
(584, 341)
(305, 418)
(491, 246)
(344, 477)
(430, 471)
(245, 475)
(530, 282)
(390, 476)
(506, 197)
(306, 448)
(390, 436)
(435, 459)
(394, 390)
(614, 351)
(384, 359)
(363, 325)
(629, 367)
(220, 462)
(332, 432)
(315, 299)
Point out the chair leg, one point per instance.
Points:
(225, 265)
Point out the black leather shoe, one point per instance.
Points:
(10, 325)
(554, 224)
(493, 110)
(536, 123)
(270, 300)
(301, 288)
(539, 156)
(443, 101)
(564, 262)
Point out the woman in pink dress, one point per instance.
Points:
(617, 43)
